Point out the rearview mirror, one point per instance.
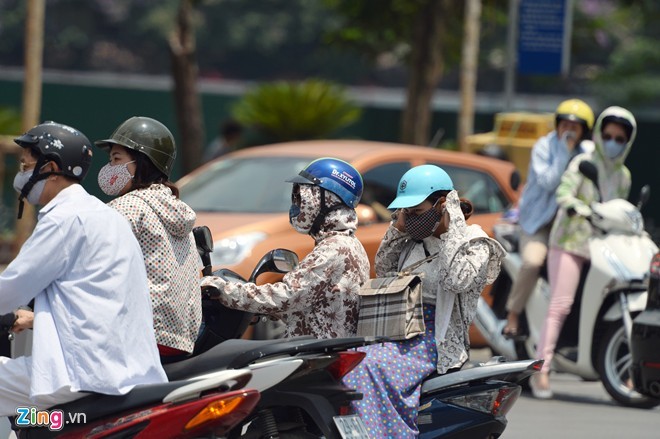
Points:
(203, 239)
(589, 170)
(275, 261)
(515, 179)
(204, 242)
(644, 195)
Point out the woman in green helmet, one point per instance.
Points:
(142, 152)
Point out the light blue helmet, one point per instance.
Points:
(418, 183)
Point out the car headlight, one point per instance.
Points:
(233, 250)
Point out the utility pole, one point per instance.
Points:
(34, 49)
(512, 38)
(469, 69)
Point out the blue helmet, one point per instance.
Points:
(333, 175)
(418, 183)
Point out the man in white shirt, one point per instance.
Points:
(93, 326)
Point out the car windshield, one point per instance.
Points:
(246, 185)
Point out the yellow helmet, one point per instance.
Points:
(577, 111)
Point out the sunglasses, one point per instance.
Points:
(617, 139)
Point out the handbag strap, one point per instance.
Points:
(407, 270)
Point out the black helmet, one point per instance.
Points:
(148, 136)
(66, 146)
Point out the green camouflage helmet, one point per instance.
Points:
(148, 136)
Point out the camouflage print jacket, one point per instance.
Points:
(319, 298)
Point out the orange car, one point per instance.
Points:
(244, 199)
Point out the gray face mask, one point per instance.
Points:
(34, 195)
(613, 149)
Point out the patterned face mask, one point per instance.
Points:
(423, 225)
(113, 178)
(305, 207)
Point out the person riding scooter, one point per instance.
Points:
(319, 297)
(538, 205)
(142, 153)
(614, 134)
(83, 268)
(429, 222)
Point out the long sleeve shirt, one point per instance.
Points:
(468, 260)
(538, 204)
(318, 298)
(92, 324)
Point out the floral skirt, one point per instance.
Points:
(390, 378)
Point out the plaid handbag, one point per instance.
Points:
(392, 306)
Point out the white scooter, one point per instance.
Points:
(594, 342)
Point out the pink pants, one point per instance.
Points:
(564, 272)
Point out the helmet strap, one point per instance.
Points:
(323, 213)
(34, 178)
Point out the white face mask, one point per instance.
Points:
(21, 180)
(113, 178)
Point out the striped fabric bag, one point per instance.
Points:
(391, 307)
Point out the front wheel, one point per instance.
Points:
(613, 364)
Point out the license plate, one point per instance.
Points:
(351, 427)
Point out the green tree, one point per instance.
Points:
(425, 34)
(627, 31)
(284, 111)
(10, 121)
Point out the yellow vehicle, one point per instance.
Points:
(516, 134)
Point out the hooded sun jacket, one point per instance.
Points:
(576, 192)
(163, 226)
(320, 297)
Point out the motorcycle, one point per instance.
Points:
(594, 343)
(311, 401)
(472, 402)
(299, 381)
(178, 409)
(293, 386)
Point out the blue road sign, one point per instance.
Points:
(541, 34)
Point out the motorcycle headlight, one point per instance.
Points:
(233, 250)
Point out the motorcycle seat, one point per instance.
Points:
(230, 354)
(235, 354)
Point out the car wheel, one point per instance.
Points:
(613, 364)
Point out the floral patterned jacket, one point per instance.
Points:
(468, 261)
(163, 226)
(318, 298)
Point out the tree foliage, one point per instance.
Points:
(284, 110)
(614, 50)
(10, 120)
(629, 33)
